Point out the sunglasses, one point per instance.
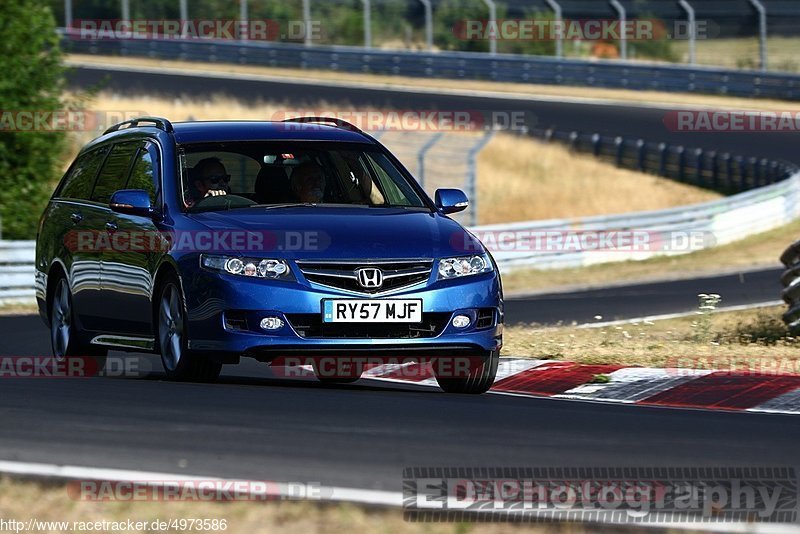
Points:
(217, 178)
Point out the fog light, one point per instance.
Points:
(461, 321)
(271, 323)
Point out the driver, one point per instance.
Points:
(308, 183)
(209, 179)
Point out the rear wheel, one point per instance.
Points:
(478, 378)
(64, 333)
(179, 363)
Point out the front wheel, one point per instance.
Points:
(477, 378)
(179, 363)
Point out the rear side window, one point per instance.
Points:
(115, 171)
(143, 175)
(79, 182)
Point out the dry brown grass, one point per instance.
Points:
(21, 500)
(523, 179)
(753, 340)
(548, 91)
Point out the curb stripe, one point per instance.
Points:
(726, 391)
(552, 378)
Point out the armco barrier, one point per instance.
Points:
(716, 223)
(791, 286)
(456, 65)
(16, 270)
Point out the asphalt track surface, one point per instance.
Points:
(360, 436)
(363, 435)
(629, 121)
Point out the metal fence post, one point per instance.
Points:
(559, 19)
(367, 23)
(428, 23)
(424, 152)
(184, 9)
(714, 170)
(68, 14)
(125, 7)
(493, 22)
(698, 165)
(762, 32)
(472, 176)
(596, 144)
(681, 163)
(692, 30)
(619, 144)
(623, 39)
(641, 153)
(662, 159)
(243, 20)
(307, 22)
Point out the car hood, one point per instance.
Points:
(320, 232)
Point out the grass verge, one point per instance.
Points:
(753, 340)
(549, 91)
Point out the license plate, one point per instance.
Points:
(372, 311)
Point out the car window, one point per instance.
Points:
(269, 173)
(115, 170)
(79, 182)
(143, 174)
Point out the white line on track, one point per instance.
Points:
(741, 307)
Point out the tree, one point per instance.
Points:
(32, 81)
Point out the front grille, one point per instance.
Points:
(310, 325)
(397, 274)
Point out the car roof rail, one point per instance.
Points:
(339, 123)
(159, 122)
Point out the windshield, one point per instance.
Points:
(222, 176)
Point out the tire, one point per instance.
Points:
(65, 336)
(480, 377)
(170, 322)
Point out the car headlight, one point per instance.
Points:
(273, 269)
(464, 266)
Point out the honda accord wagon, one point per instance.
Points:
(208, 241)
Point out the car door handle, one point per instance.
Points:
(111, 226)
(76, 217)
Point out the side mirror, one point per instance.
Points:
(132, 202)
(451, 200)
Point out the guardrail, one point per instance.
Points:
(16, 271)
(720, 171)
(455, 65)
(578, 242)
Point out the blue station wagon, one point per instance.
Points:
(208, 241)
